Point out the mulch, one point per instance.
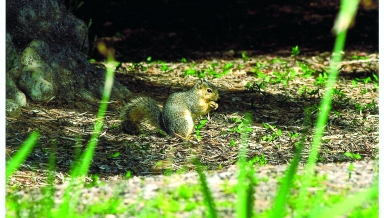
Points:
(277, 111)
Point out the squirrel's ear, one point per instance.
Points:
(199, 82)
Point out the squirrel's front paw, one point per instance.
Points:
(213, 105)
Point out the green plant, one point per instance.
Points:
(354, 201)
(371, 210)
(74, 5)
(228, 188)
(372, 106)
(340, 99)
(307, 71)
(321, 79)
(244, 56)
(137, 67)
(255, 87)
(303, 91)
(351, 167)
(295, 51)
(281, 199)
(364, 91)
(81, 169)
(94, 182)
(164, 67)
(370, 79)
(246, 177)
(265, 78)
(208, 199)
(293, 135)
(128, 175)
(227, 67)
(199, 127)
(21, 155)
(359, 107)
(258, 68)
(260, 160)
(354, 83)
(241, 127)
(274, 135)
(278, 60)
(376, 80)
(348, 8)
(339, 93)
(108, 206)
(211, 71)
(367, 80)
(292, 74)
(185, 192)
(246, 180)
(280, 78)
(193, 72)
(114, 155)
(352, 155)
(190, 71)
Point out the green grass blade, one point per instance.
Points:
(252, 181)
(48, 202)
(322, 119)
(347, 9)
(244, 207)
(21, 155)
(208, 199)
(282, 194)
(71, 194)
(85, 159)
(348, 204)
(326, 101)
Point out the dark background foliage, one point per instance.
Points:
(171, 29)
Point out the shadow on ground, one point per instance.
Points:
(171, 30)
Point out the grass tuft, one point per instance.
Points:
(21, 155)
(208, 199)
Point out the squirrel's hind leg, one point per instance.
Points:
(181, 126)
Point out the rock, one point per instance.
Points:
(12, 58)
(13, 109)
(13, 93)
(13, 72)
(46, 56)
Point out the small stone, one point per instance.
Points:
(12, 108)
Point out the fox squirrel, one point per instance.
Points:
(178, 114)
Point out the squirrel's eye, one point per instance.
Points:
(209, 90)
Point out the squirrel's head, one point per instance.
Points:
(207, 90)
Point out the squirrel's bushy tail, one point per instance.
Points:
(141, 114)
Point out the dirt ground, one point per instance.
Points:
(274, 108)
